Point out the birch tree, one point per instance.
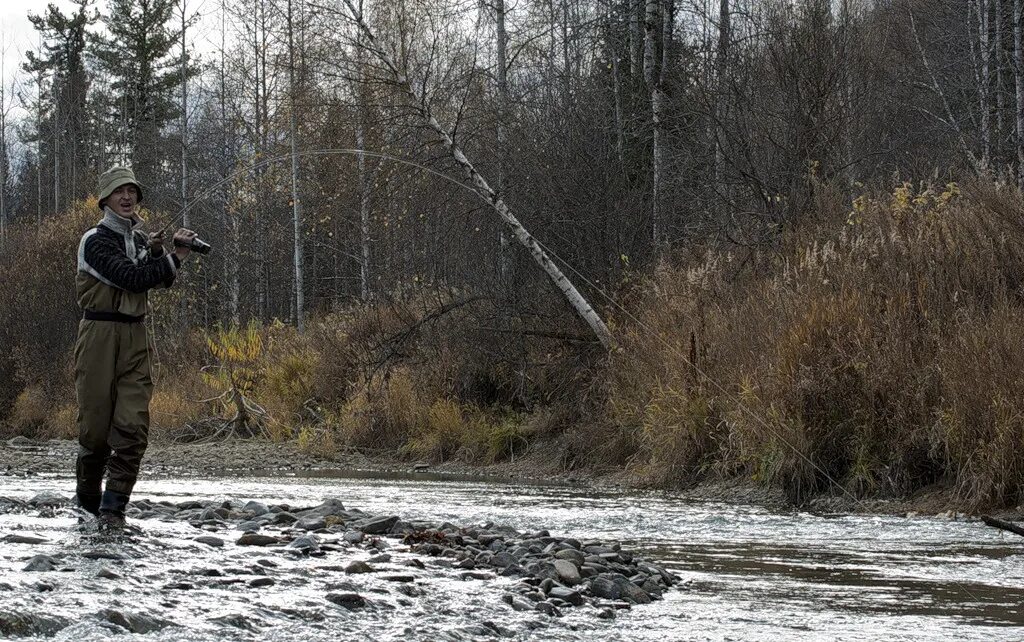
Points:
(421, 105)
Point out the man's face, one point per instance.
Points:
(123, 200)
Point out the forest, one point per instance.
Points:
(778, 241)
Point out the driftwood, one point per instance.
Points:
(1002, 524)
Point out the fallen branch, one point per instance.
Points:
(1002, 524)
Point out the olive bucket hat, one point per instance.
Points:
(116, 177)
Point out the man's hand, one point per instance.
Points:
(156, 243)
(183, 242)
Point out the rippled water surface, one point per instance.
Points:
(750, 573)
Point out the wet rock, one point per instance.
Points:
(107, 574)
(40, 564)
(570, 555)
(249, 526)
(48, 499)
(235, 620)
(261, 581)
(567, 572)
(518, 603)
(209, 540)
(358, 566)
(353, 537)
(383, 558)
(603, 586)
(376, 525)
(24, 539)
(256, 508)
(329, 507)
(548, 608)
(311, 523)
(17, 624)
(101, 554)
(306, 544)
(285, 518)
(135, 622)
(21, 441)
(400, 578)
(179, 586)
(567, 595)
(349, 601)
(502, 559)
(255, 539)
(476, 575)
(606, 614)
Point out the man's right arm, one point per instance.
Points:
(105, 257)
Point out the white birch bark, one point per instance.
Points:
(420, 104)
(296, 207)
(721, 91)
(652, 24)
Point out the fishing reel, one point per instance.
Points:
(197, 245)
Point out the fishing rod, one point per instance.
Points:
(203, 247)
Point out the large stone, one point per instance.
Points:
(256, 508)
(605, 587)
(347, 600)
(16, 624)
(48, 499)
(40, 563)
(567, 572)
(567, 594)
(311, 523)
(255, 539)
(570, 555)
(376, 525)
(209, 540)
(358, 566)
(24, 539)
(135, 622)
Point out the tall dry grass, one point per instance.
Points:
(880, 351)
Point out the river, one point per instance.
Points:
(750, 573)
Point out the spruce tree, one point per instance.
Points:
(63, 129)
(138, 54)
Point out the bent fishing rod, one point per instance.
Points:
(203, 247)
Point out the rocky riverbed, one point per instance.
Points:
(345, 560)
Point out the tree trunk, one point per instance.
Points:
(502, 78)
(985, 84)
(231, 227)
(636, 37)
(421, 106)
(184, 121)
(1000, 94)
(296, 207)
(721, 108)
(364, 182)
(1018, 78)
(652, 77)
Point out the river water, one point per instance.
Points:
(750, 573)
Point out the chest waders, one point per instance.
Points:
(112, 366)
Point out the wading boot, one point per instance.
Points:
(87, 503)
(112, 509)
(112, 522)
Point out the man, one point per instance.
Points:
(117, 265)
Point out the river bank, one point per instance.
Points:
(22, 457)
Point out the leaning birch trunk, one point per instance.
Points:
(1018, 79)
(296, 208)
(419, 103)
